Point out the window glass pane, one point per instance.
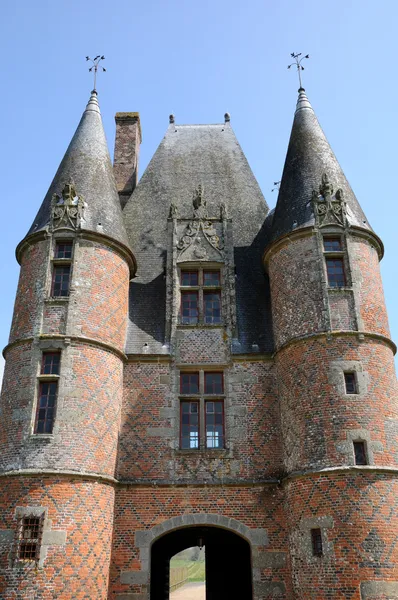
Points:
(189, 425)
(332, 244)
(211, 278)
(316, 539)
(214, 383)
(350, 383)
(50, 363)
(63, 250)
(46, 407)
(189, 308)
(214, 425)
(61, 277)
(212, 307)
(189, 383)
(189, 278)
(335, 271)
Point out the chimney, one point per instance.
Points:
(127, 149)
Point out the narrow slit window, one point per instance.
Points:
(335, 272)
(214, 417)
(61, 281)
(316, 541)
(350, 381)
(189, 426)
(46, 406)
(50, 363)
(360, 453)
(29, 538)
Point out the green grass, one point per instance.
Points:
(196, 569)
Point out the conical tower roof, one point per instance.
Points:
(309, 156)
(87, 166)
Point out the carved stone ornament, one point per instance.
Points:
(200, 229)
(329, 209)
(67, 209)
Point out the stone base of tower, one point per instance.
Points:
(76, 538)
(250, 517)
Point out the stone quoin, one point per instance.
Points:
(186, 367)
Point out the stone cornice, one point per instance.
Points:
(366, 234)
(361, 335)
(67, 340)
(102, 238)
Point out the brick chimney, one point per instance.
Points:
(127, 149)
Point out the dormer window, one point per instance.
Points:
(200, 296)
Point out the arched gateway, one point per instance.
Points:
(228, 562)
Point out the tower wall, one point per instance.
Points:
(321, 333)
(76, 495)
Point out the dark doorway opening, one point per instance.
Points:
(228, 562)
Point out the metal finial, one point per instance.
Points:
(277, 185)
(299, 66)
(227, 117)
(96, 61)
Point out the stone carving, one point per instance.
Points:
(67, 209)
(329, 209)
(223, 211)
(200, 229)
(173, 211)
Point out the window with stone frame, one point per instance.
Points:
(200, 290)
(334, 261)
(350, 382)
(47, 393)
(28, 539)
(360, 454)
(202, 420)
(61, 268)
(316, 542)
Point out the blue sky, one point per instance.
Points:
(199, 60)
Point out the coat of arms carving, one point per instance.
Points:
(329, 209)
(67, 209)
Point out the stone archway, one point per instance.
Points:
(254, 538)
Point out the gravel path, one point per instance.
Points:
(190, 591)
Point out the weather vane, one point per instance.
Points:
(96, 61)
(299, 66)
(277, 185)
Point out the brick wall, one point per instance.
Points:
(317, 414)
(357, 513)
(77, 539)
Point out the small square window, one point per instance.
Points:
(189, 426)
(189, 278)
(29, 537)
(350, 381)
(214, 383)
(335, 271)
(212, 307)
(63, 250)
(61, 279)
(211, 278)
(214, 424)
(316, 541)
(360, 453)
(189, 383)
(332, 244)
(50, 363)
(189, 308)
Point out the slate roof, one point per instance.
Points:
(87, 164)
(309, 156)
(190, 155)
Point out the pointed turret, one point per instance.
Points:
(308, 158)
(87, 167)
